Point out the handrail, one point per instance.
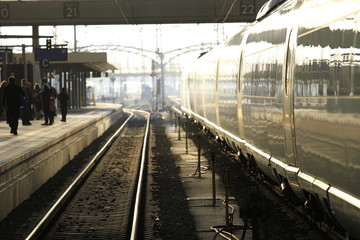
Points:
(175, 109)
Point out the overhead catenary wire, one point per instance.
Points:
(231, 7)
(222, 10)
(122, 12)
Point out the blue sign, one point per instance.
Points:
(2, 53)
(54, 54)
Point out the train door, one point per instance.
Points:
(239, 101)
(217, 93)
(239, 89)
(203, 95)
(288, 101)
(289, 118)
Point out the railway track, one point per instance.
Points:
(100, 203)
(298, 226)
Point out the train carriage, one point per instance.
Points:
(286, 91)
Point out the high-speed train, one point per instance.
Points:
(285, 92)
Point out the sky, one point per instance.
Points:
(165, 38)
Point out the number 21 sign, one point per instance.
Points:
(71, 10)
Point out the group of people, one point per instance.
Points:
(39, 101)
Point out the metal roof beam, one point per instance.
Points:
(96, 12)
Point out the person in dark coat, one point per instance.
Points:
(53, 94)
(2, 107)
(27, 103)
(64, 98)
(31, 112)
(45, 96)
(52, 110)
(38, 102)
(11, 99)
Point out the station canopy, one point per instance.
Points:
(85, 61)
(99, 12)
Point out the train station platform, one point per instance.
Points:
(29, 159)
(199, 191)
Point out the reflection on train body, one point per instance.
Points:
(286, 90)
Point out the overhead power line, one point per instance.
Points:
(122, 12)
(232, 5)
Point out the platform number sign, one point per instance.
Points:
(247, 7)
(71, 10)
(4, 11)
(44, 63)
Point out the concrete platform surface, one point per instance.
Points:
(199, 190)
(37, 135)
(29, 159)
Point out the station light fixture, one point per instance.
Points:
(48, 44)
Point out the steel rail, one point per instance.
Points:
(84, 173)
(136, 215)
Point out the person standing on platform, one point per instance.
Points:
(64, 98)
(31, 111)
(52, 110)
(45, 96)
(11, 99)
(53, 93)
(2, 109)
(27, 99)
(38, 102)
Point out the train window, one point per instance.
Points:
(331, 76)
